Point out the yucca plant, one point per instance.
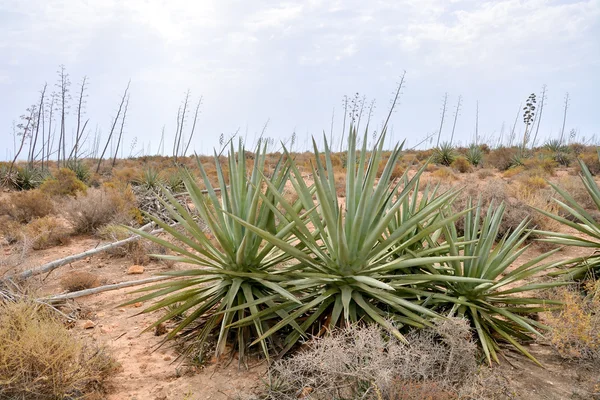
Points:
(474, 155)
(175, 182)
(234, 274)
(583, 222)
(28, 178)
(445, 154)
(81, 170)
(150, 179)
(348, 255)
(494, 293)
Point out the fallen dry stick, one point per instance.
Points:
(51, 266)
(105, 288)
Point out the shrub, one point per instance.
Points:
(41, 360)
(96, 208)
(485, 173)
(591, 161)
(462, 165)
(540, 165)
(25, 206)
(361, 360)
(150, 179)
(64, 183)
(444, 174)
(46, 232)
(575, 329)
(501, 158)
(78, 280)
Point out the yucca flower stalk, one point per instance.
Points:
(234, 273)
(349, 253)
(494, 292)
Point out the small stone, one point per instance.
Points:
(104, 330)
(135, 270)
(121, 310)
(87, 324)
(138, 304)
(167, 358)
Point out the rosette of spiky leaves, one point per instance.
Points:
(348, 255)
(150, 179)
(582, 222)
(499, 305)
(474, 155)
(234, 275)
(445, 154)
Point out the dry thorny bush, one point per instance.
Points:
(575, 332)
(41, 360)
(74, 281)
(98, 207)
(363, 362)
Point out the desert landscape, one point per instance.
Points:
(72, 255)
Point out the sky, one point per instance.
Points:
(288, 65)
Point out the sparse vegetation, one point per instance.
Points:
(41, 360)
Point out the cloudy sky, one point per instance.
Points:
(291, 63)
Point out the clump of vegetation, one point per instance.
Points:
(444, 174)
(444, 154)
(27, 178)
(81, 170)
(592, 162)
(99, 207)
(78, 280)
(485, 173)
(575, 329)
(474, 155)
(149, 179)
(46, 232)
(462, 165)
(64, 183)
(362, 362)
(41, 360)
(25, 206)
(501, 158)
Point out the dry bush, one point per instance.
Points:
(46, 232)
(485, 173)
(591, 161)
(501, 158)
(41, 360)
(462, 165)
(64, 183)
(445, 174)
(533, 182)
(79, 280)
(514, 171)
(542, 166)
(27, 205)
(577, 190)
(575, 329)
(363, 362)
(98, 207)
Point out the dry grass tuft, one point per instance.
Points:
(79, 280)
(485, 173)
(41, 360)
